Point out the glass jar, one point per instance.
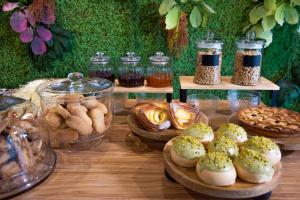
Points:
(100, 67)
(26, 157)
(131, 73)
(77, 110)
(208, 61)
(248, 56)
(159, 74)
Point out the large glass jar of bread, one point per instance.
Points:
(208, 60)
(77, 110)
(248, 56)
(26, 157)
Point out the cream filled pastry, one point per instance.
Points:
(201, 131)
(265, 146)
(232, 131)
(253, 166)
(216, 168)
(225, 145)
(186, 150)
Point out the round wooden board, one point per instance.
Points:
(241, 189)
(164, 135)
(289, 143)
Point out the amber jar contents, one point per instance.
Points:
(102, 74)
(131, 80)
(159, 80)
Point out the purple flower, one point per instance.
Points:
(27, 35)
(44, 33)
(38, 46)
(18, 22)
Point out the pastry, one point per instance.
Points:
(216, 168)
(225, 145)
(265, 146)
(232, 131)
(253, 167)
(182, 115)
(201, 131)
(186, 150)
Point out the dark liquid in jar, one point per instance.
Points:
(131, 80)
(159, 80)
(100, 74)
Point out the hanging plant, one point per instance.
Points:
(176, 20)
(35, 23)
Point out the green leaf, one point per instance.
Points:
(268, 22)
(204, 19)
(183, 1)
(260, 33)
(172, 18)
(50, 43)
(65, 43)
(56, 29)
(207, 8)
(58, 50)
(246, 28)
(67, 34)
(291, 15)
(270, 4)
(279, 14)
(256, 14)
(295, 2)
(51, 54)
(166, 6)
(195, 17)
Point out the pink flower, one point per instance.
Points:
(9, 6)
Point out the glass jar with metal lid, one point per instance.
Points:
(100, 67)
(77, 110)
(208, 60)
(131, 73)
(159, 74)
(248, 57)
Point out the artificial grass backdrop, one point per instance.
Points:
(118, 26)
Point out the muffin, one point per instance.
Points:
(201, 131)
(253, 167)
(225, 145)
(216, 168)
(232, 131)
(266, 147)
(186, 150)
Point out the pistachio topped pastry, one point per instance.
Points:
(216, 168)
(265, 146)
(232, 131)
(253, 166)
(225, 145)
(186, 150)
(201, 131)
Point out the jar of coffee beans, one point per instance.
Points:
(208, 60)
(248, 58)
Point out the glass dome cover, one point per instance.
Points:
(250, 41)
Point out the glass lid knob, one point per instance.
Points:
(75, 76)
(100, 54)
(210, 35)
(250, 35)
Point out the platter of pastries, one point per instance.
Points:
(229, 166)
(163, 121)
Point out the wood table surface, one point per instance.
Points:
(127, 167)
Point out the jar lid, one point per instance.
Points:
(131, 57)
(159, 58)
(9, 101)
(250, 42)
(100, 58)
(210, 42)
(76, 83)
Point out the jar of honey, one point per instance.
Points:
(100, 67)
(159, 74)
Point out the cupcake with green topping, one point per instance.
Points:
(253, 166)
(201, 131)
(186, 150)
(225, 145)
(265, 146)
(216, 168)
(232, 131)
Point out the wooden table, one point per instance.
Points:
(123, 167)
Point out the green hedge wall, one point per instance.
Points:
(118, 26)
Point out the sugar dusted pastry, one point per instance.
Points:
(186, 150)
(225, 145)
(201, 131)
(265, 146)
(253, 167)
(232, 131)
(216, 168)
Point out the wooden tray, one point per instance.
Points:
(241, 189)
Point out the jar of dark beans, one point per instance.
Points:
(248, 58)
(208, 60)
(101, 67)
(131, 73)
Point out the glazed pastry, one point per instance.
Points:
(216, 168)
(225, 145)
(201, 131)
(265, 146)
(253, 166)
(232, 131)
(186, 150)
(182, 115)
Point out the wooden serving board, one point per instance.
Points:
(241, 189)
